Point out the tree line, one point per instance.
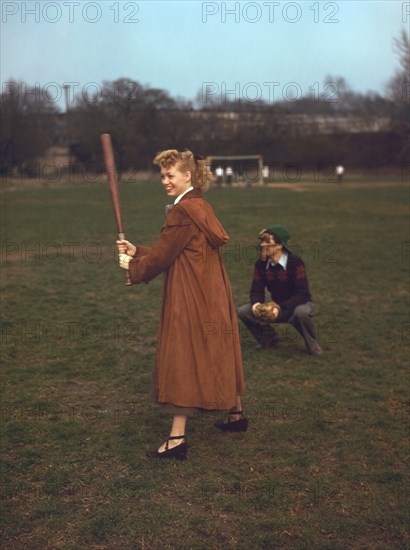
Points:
(143, 120)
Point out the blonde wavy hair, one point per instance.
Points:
(187, 162)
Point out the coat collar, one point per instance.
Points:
(194, 194)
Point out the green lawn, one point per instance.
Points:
(324, 463)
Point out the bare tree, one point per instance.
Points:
(26, 124)
(402, 47)
(399, 86)
(132, 113)
(398, 90)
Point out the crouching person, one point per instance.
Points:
(283, 274)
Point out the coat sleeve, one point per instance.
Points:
(257, 293)
(141, 251)
(175, 236)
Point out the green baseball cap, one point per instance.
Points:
(280, 231)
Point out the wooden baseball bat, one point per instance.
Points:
(113, 187)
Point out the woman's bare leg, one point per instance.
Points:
(238, 407)
(177, 428)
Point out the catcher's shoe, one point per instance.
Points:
(240, 425)
(315, 351)
(271, 343)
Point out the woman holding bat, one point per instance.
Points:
(198, 363)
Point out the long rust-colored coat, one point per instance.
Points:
(198, 362)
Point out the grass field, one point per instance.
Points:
(324, 464)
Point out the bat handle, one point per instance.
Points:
(121, 237)
(127, 278)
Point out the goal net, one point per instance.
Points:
(245, 169)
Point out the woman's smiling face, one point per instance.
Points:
(175, 182)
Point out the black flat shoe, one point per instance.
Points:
(179, 452)
(240, 425)
(271, 343)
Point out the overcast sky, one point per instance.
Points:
(250, 49)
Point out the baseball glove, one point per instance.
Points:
(268, 312)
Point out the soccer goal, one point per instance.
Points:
(237, 168)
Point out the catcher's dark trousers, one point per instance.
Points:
(301, 319)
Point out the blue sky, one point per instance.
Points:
(251, 48)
